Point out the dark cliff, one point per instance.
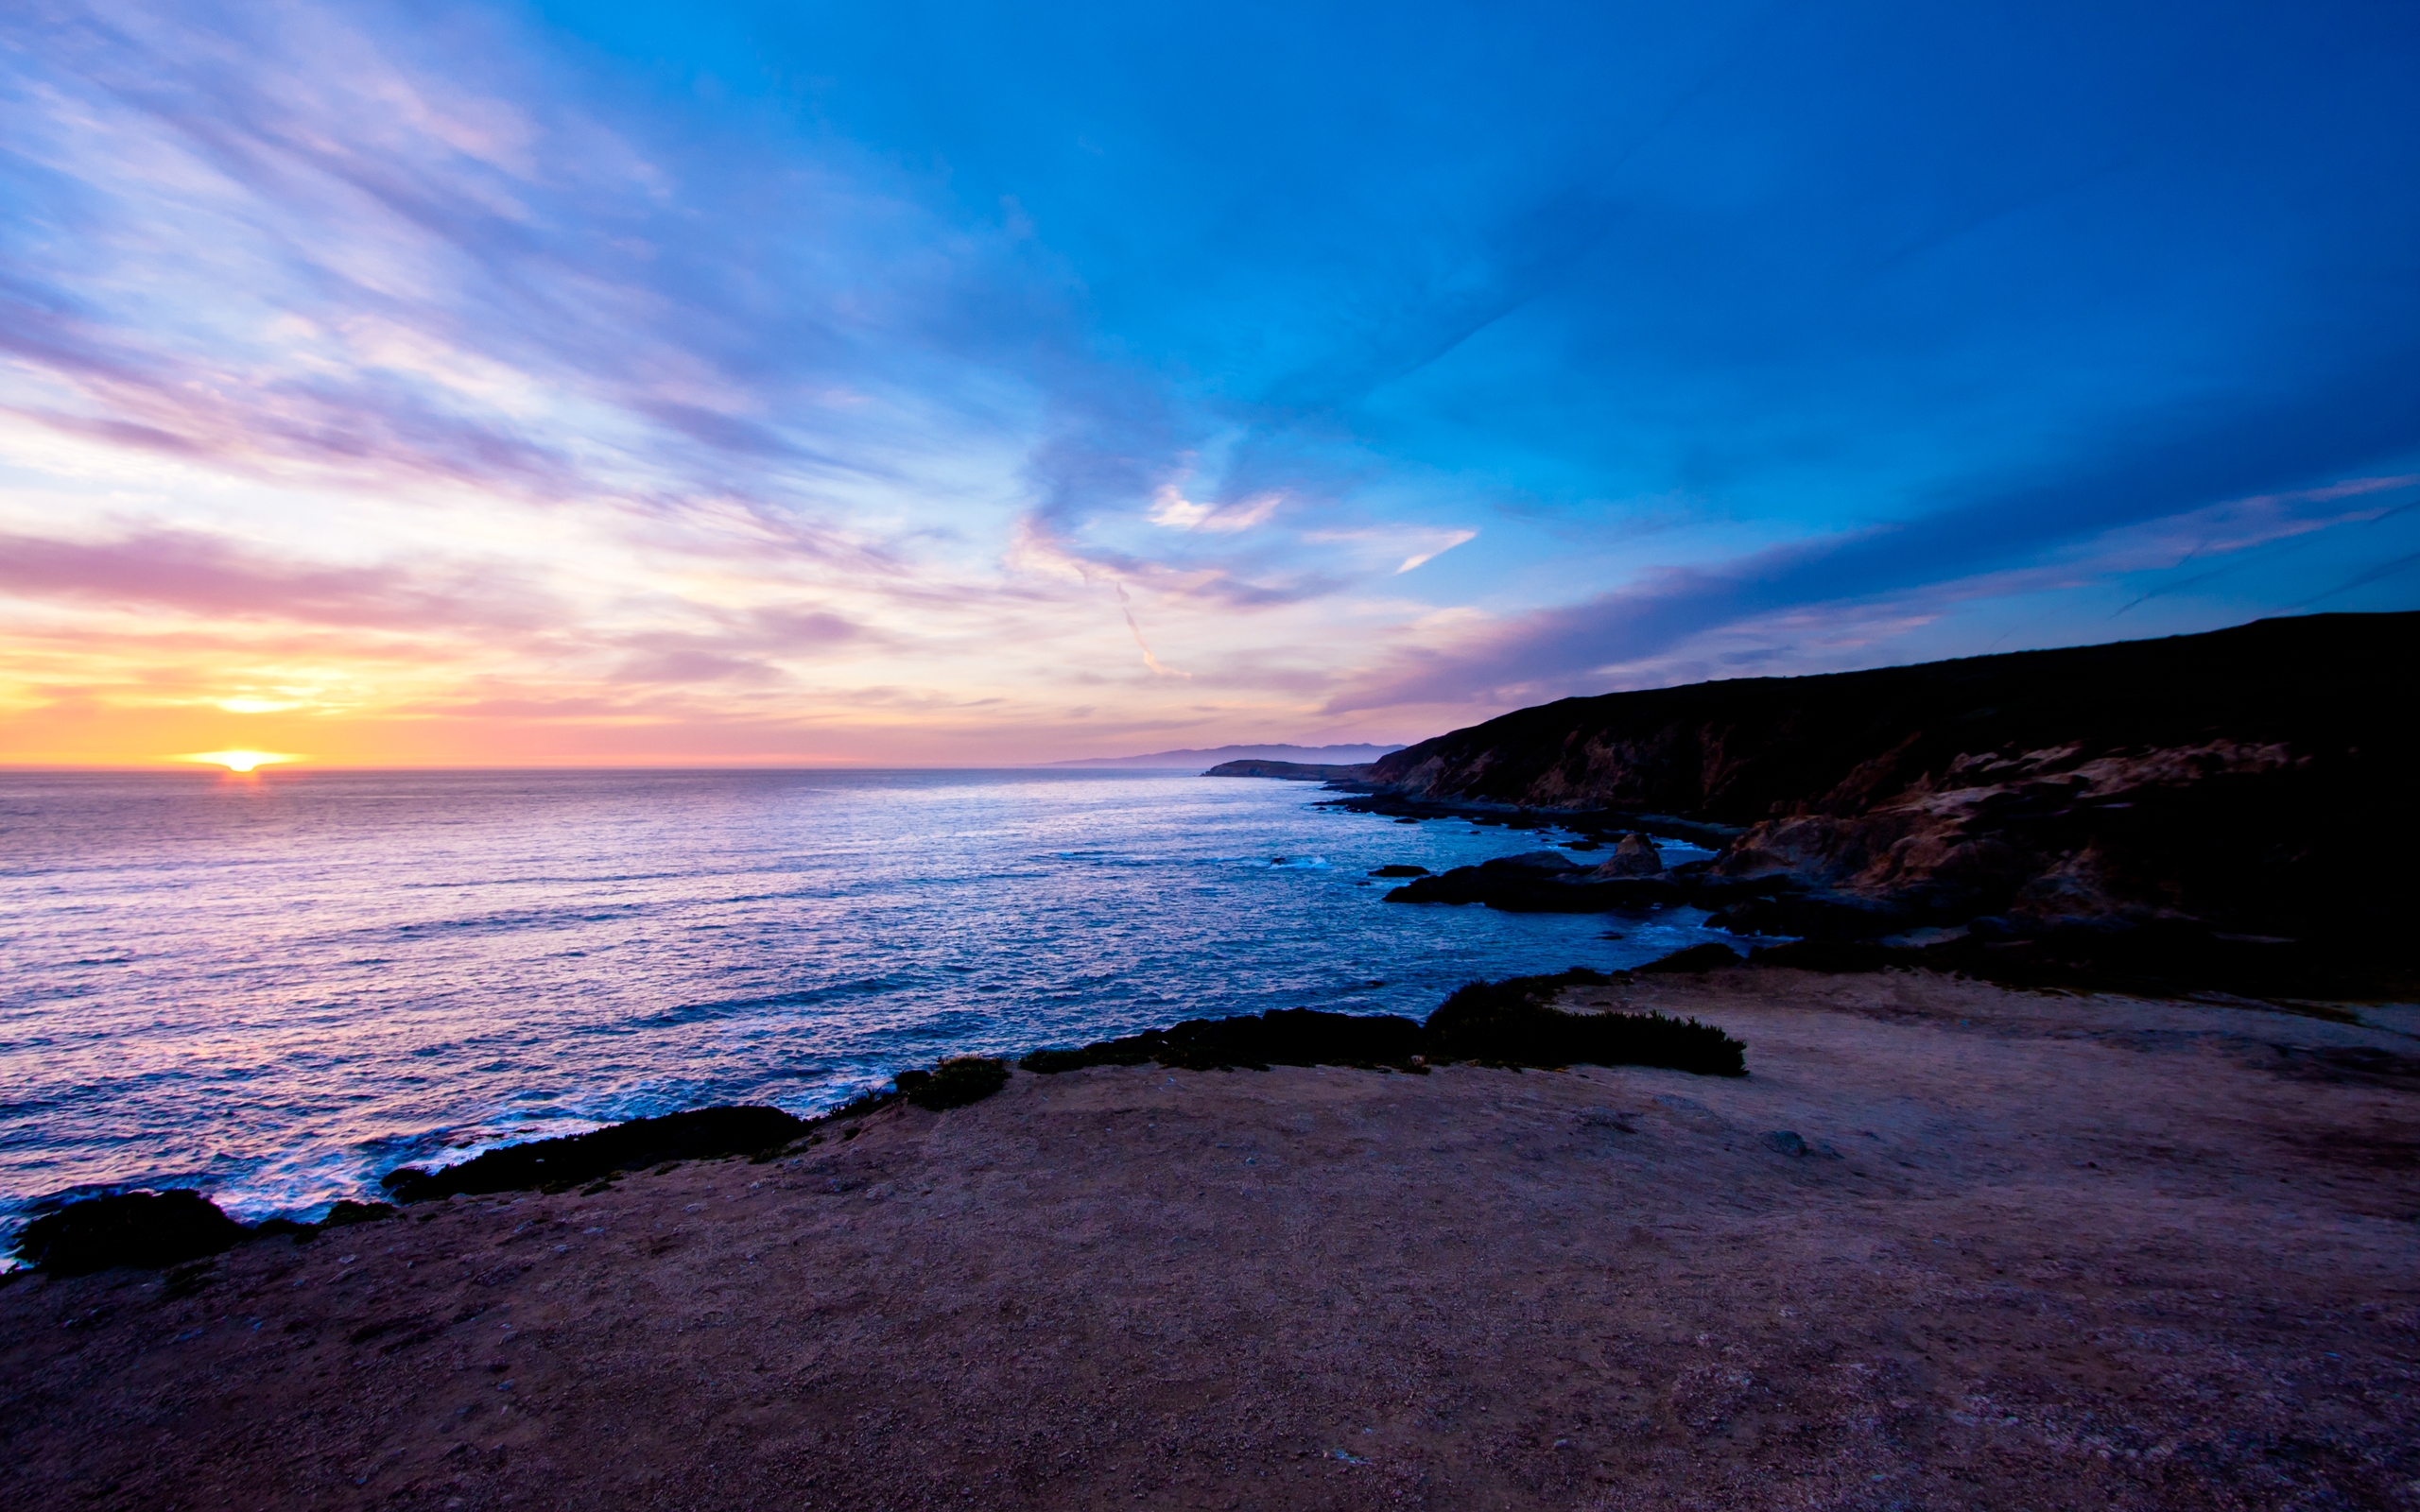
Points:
(2252, 780)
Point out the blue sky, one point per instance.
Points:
(933, 382)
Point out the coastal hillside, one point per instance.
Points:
(1291, 771)
(2251, 781)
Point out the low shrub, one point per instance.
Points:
(1509, 1023)
(700, 1134)
(151, 1229)
(1504, 1022)
(955, 1082)
(1133, 1050)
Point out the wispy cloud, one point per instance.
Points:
(421, 370)
(1171, 509)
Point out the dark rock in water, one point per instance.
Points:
(706, 1133)
(1786, 1141)
(1551, 861)
(1536, 890)
(1635, 856)
(1707, 957)
(1532, 884)
(347, 1213)
(1400, 872)
(955, 1082)
(149, 1229)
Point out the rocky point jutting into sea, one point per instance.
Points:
(2229, 811)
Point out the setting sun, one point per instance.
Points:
(239, 761)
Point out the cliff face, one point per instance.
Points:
(2254, 780)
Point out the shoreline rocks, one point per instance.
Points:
(1506, 1022)
(2136, 813)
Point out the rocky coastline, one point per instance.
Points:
(2227, 812)
(1506, 1024)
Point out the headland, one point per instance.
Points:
(2223, 812)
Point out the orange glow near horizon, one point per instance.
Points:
(239, 761)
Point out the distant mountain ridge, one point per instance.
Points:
(1300, 755)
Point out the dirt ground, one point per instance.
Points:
(2038, 1252)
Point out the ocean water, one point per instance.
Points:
(278, 987)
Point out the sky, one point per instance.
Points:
(935, 384)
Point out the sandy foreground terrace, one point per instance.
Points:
(2071, 1252)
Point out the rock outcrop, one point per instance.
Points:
(1635, 856)
(2251, 783)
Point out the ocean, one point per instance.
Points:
(277, 988)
